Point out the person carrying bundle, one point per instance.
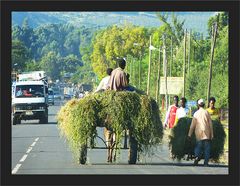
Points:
(171, 113)
(182, 111)
(212, 110)
(202, 126)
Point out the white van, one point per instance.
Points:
(29, 101)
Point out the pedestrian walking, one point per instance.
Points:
(171, 113)
(182, 111)
(202, 126)
(104, 82)
(212, 110)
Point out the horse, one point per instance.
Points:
(110, 138)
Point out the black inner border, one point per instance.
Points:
(120, 5)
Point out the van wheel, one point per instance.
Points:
(44, 120)
(16, 120)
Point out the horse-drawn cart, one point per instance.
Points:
(120, 113)
(130, 143)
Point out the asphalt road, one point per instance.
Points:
(39, 149)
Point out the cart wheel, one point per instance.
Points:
(83, 154)
(132, 155)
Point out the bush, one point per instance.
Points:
(78, 119)
(179, 146)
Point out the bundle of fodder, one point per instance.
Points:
(180, 146)
(122, 110)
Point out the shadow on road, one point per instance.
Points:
(166, 164)
(53, 123)
(52, 115)
(184, 164)
(49, 123)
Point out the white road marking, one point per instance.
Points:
(23, 158)
(29, 149)
(14, 171)
(33, 143)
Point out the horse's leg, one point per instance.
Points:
(114, 144)
(107, 138)
(109, 154)
(111, 146)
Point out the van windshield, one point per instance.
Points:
(29, 91)
(50, 92)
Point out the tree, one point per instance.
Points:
(50, 64)
(70, 63)
(222, 21)
(32, 66)
(114, 42)
(20, 55)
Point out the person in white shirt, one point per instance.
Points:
(182, 111)
(104, 82)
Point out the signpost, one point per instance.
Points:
(174, 85)
(191, 104)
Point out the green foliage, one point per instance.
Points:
(78, 119)
(70, 62)
(221, 18)
(50, 64)
(220, 90)
(179, 145)
(196, 86)
(32, 66)
(96, 50)
(116, 42)
(65, 41)
(20, 55)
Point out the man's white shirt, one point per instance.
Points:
(103, 84)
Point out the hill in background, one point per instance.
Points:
(197, 21)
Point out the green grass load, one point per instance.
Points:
(78, 118)
(179, 146)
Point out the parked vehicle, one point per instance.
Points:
(50, 97)
(68, 92)
(57, 95)
(30, 97)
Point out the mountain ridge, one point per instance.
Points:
(193, 20)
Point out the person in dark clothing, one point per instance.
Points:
(129, 87)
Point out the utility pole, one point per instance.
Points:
(212, 55)
(165, 71)
(149, 69)
(133, 71)
(131, 67)
(158, 78)
(189, 52)
(139, 72)
(184, 65)
(171, 62)
(171, 58)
